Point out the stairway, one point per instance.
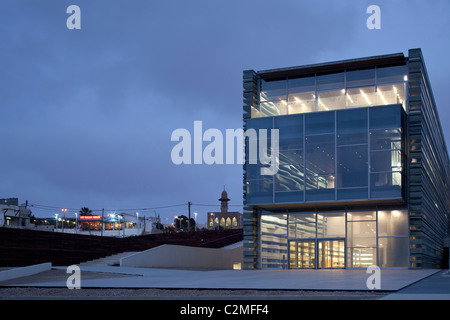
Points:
(112, 260)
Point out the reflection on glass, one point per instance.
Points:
(392, 74)
(273, 241)
(331, 225)
(273, 89)
(302, 225)
(319, 154)
(386, 139)
(289, 177)
(390, 160)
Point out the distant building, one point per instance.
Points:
(224, 219)
(14, 215)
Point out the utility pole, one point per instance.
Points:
(103, 211)
(189, 218)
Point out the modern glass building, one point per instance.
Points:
(363, 170)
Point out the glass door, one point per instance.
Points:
(331, 253)
(302, 254)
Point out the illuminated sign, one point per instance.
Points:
(90, 217)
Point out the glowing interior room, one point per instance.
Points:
(363, 174)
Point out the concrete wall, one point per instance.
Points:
(184, 257)
(24, 271)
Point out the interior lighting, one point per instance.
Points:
(324, 106)
(382, 97)
(365, 96)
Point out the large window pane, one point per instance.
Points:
(303, 102)
(391, 74)
(331, 225)
(331, 100)
(361, 215)
(393, 223)
(352, 166)
(289, 196)
(361, 97)
(319, 123)
(351, 126)
(275, 89)
(360, 78)
(385, 139)
(289, 178)
(319, 154)
(361, 234)
(305, 84)
(290, 131)
(385, 117)
(273, 241)
(391, 94)
(273, 108)
(386, 185)
(291, 157)
(361, 257)
(390, 160)
(259, 191)
(393, 252)
(302, 225)
(330, 81)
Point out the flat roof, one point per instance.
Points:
(394, 58)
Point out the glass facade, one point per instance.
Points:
(352, 133)
(352, 154)
(333, 91)
(334, 239)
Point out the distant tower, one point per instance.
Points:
(224, 200)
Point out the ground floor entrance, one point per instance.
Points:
(317, 254)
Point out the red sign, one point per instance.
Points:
(90, 217)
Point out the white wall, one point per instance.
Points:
(184, 257)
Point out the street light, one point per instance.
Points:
(195, 214)
(64, 218)
(137, 221)
(76, 222)
(56, 222)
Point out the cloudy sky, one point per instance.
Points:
(87, 115)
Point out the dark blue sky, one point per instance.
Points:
(87, 115)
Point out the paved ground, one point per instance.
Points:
(435, 287)
(106, 282)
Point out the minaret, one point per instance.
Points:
(224, 200)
